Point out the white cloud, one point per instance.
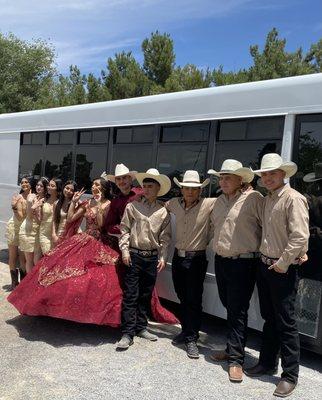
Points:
(84, 31)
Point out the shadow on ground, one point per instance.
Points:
(4, 256)
(60, 333)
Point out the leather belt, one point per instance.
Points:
(185, 253)
(242, 255)
(144, 253)
(270, 261)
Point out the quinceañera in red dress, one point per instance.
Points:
(79, 281)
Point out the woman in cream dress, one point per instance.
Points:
(61, 209)
(46, 215)
(29, 229)
(18, 205)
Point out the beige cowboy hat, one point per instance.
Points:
(272, 161)
(234, 167)
(191, 178)
(314, 176)
(152, 173)
(120, 170)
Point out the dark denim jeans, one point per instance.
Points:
(277, 294)
(139, 281)
(236, 281)
(188, 274)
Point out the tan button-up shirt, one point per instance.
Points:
(193, 228)
(285, 226)
(145, 226)
(237, 223)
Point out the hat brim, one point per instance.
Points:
(163, 180)
(245, 173)
(289, 167)
(191, 184)
(311, 177)
(111, 178)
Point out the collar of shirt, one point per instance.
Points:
(183, 204)
(235, 197)
(279, 192)
(150, 205)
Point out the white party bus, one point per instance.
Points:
(173, 132)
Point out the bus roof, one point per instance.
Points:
(299, 95)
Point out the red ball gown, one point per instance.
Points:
(79, 280)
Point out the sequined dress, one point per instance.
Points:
(45, 228)
(79, 281)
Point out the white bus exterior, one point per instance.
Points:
(195, 129)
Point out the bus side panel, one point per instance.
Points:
(9, 164)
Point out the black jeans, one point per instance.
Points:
(277, 294)
(139, 281)
(188, 274)
(236, 281)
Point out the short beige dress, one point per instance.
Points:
(13, 227)
(45, 228)
(29, 236)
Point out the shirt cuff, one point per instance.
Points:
(125, 253)
(282, 265)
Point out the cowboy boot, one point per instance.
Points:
(14, 279)
(22, 274)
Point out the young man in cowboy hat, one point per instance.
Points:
(145, 237)
(283, 246)
(123, 178)
(237, 235)
(189, 263)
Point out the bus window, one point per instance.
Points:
(90, 163)
(30, 160)
(137, 157)
(58, 161)
(31, 153)
(308, 181)
(175, 159)
(247, 141)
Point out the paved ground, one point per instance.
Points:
(43, 358)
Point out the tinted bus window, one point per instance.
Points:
(30, 160)
(58, 162)
(90, 163)
(308, 180)
(136, 157)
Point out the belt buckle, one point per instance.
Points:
(145, 253)
(181, 253)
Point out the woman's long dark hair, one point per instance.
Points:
(32, 182)
(59, 186)
(44, 180)
(61, 201)
(106, 188)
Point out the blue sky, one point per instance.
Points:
(205, 32)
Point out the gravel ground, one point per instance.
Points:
(44, 358)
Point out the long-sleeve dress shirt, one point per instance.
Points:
(145, 226)
(193, 227)
(285, 223)
(237, 223)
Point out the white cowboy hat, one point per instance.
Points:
(152, 173)
(272, 161)
(314, 176)
(191, 178)
(234, 167)
(120, 170)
